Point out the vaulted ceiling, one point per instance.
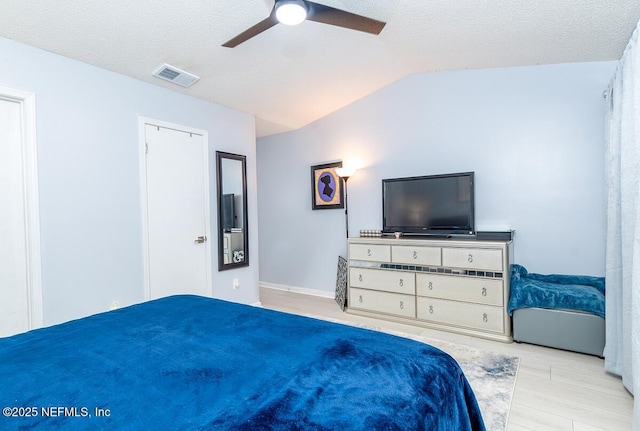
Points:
(289, 76)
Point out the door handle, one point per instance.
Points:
(201, 239)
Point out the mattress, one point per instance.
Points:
(193, 363)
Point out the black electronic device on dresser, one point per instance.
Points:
(438, 205)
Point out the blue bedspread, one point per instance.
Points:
(194, 363)
(568, 292)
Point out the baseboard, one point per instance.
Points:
(295, 289)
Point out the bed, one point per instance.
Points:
(192, 363)
(561, 311)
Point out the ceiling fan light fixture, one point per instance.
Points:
(291, 12)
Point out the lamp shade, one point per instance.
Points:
(291, 12)
(345, 172)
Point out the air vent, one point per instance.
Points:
(175, 75)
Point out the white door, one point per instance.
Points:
(20, 294)
(178, 251)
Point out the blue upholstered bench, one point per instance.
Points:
(561, 311)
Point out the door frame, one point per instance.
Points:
(142, 122)
(29, 172)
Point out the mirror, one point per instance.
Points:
(233, 239)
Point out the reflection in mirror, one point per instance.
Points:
(233, 250)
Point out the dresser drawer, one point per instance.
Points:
(472, 258)
(430, 256)
(372, 252)
(383, 302)
(378, 279)
(476, 316)
(479, 290)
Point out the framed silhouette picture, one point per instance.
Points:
(326, 187)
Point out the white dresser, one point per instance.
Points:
(231, 241)
(449, 284)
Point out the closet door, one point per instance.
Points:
(177, 202)
(20, 290)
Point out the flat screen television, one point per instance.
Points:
(228, 212)
(429, 205)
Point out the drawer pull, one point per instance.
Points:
(484, 291)
(360, 299)
(431, 309)
(401, 305)
(401, 282)
(368, 252)
(485, 318)
(470, 258)
(430, 286)
(415, 254)
(360, 277)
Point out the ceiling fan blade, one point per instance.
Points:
(341, 18)
(263, 25)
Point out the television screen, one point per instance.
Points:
(435, 204)
(228, 212)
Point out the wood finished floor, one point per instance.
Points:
(555, 390)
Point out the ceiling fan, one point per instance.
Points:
(292, 12)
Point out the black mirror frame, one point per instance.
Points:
(245, 223)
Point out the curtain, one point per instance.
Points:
(622, 158)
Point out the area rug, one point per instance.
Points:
(492, 375)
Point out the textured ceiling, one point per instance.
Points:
(290, 76)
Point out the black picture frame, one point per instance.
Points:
(327, 191)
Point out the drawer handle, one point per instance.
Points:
(430, 286)
(401, 282)
(485, 318)
(415, 254)
(484, 291)
(401, 305)
(431, 309)
(360, 298)
(360, 277)
(470, 258)
(368, 252)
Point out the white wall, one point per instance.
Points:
(533, 136)
(87, 133)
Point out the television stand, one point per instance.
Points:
(427, 236)
(431, 235)
(456, 285)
